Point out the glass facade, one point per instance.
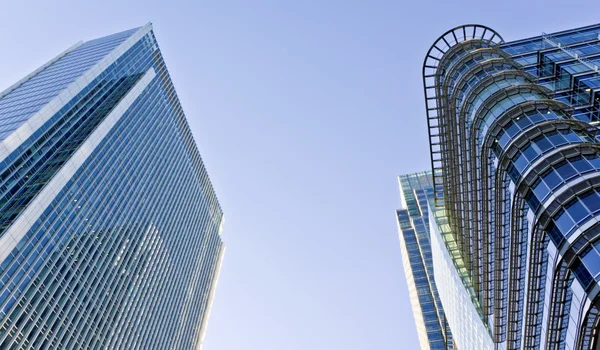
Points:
(515, 194)
(109, 225)
(415, 244)
(461, 311)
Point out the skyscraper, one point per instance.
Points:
(109, 225)
(415, 244)
(515, 194)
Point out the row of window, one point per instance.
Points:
(514, 127)
(475, 78)
(579, 67)
(73, 128)
(416, 237)
(562, 172)
(564, 39)
(455, 57)
(578, 36)
(514, 49)
(577, 211)
(490, 90)
(458, 72)
(540, 145)
(503, 105)
(28, 98)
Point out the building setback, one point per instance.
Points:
(515, 193)
(415, 244)
(109, 225)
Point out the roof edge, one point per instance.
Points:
(41, 68)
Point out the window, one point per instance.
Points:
(582, 165)
(564, 222)
(592, 261)
(552, 179)
(566, 171)
(578, 211)
(592, 202)
(541, 190)
(543, 143)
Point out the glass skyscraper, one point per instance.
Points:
(415, 244)
(514, 197)
(109, 225)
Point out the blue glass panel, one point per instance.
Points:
(592, 262)
(503, 139)
(541, 190)
(512, 129)
(582, 165)
(524, 122)
(578, 211)
(564, 222)
(556, 139)
(536, 117)
(555, 235)
(513, 173)
(592, 202)
(595, 161)
(552, 179)
(530, 152)
(521, 163)
(566, 171)
(570, 135)
(532, 200)
(543, 143)
(28, 98)
(582, 274)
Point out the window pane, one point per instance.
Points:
(578, 211)
(564, 222)
(503, 140)
(556, 139)
(552, 179)
(530, 153)
(512, 130)
(592, 262)
(521, 163)
(541, 190)
(592, 201)
(595, 161)
(581, 165)
(570, 136)
(566, 171)
(544, 144)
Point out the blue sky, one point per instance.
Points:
(304, 112)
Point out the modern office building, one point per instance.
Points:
(415, 244)
(514, 208)
(109, 225)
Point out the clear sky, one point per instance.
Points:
(304, 112)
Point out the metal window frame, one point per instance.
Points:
(431, 91)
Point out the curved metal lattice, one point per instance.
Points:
(431, 73)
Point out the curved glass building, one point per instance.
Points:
(109, 225)
(515, 187)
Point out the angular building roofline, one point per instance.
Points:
(41, 68)
(14, 140)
